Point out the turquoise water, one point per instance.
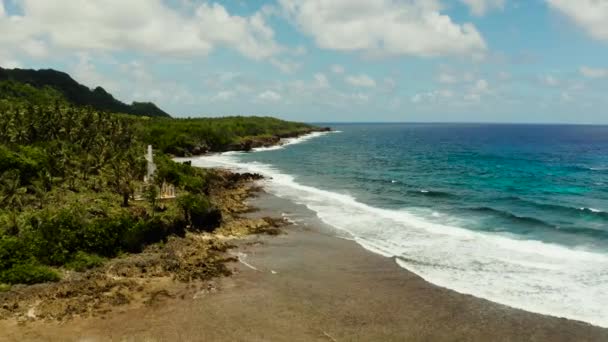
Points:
(517, 214)
(538, 182)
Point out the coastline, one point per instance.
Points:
(467, 262)
(309, 285)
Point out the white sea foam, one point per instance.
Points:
(531, 275)
(292, 141)
(593, 210)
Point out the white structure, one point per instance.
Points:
(167, 191)
(151, 165)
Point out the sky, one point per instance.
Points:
(525, 61)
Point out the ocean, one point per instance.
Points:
(516, 214)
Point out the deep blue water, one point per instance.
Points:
(539, 182)
(517, 214)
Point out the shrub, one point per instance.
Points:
(199, 213)
(55, 238)
(83, 261)
(146, 232)
(28, 274)
(13, 251)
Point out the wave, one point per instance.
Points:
(538, 223)
(293, 141)
(532, 275)
(510, 216)
(431, 193)
(596, 211)
(556, 208)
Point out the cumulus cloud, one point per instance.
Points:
(286, 67)
(337, 69)
(86, 72)
(9, 63)
(148, 26)
(593, 72)
(269, 96)
(447, 78)
(361, 81)
(224, 95)
(321, 80)
(591, 15)
(550, 81)
(432, 96)
(383, 27)
(481, 7)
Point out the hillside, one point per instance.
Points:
(72, 190)
(78, 94)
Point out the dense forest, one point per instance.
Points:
(71, 179)
(78, 94)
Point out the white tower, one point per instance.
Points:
(151, 165)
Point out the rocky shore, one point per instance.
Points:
(305, 285)
(181, 267)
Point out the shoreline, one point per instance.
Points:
(337, 272)
(308, 285)
(289, 188)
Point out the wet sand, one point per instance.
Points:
(308, 285)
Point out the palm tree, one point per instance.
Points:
(12, 196)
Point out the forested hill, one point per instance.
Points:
(77, 93)
(72, 188)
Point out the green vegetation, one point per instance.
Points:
(83, 261)
(71, 179)
(183, 137)
(76, 93)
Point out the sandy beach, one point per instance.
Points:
(308, 285)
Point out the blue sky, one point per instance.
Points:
(328, 60)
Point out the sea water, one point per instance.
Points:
(517, 214)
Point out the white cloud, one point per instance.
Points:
(223, 95)
(481, 86)
(504, 76)
(383, 27)
(477, 91)
(321, 80)
(269, 96)
(591, 15)
(472, 95)
(447, 78)
(481, 7)
(593, 72)
(286, 67)
(86, 73)
(148, 26)
(337, 69)
(550, 81)
(10, 63)
(361, 81)
(432, 96)
(299, 51)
